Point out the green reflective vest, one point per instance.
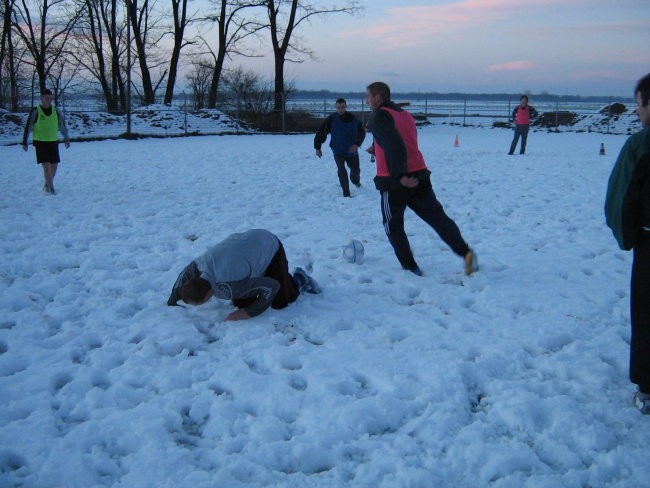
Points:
(46, 128)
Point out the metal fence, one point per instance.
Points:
(181, 120)
(482, 112)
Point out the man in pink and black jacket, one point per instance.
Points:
(403, 180)
(521, 116)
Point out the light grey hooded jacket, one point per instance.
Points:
(235, 269)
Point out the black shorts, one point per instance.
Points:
(47, 152)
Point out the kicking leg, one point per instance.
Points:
(429, 209)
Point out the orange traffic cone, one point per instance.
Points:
(456, 144)
(602, 148)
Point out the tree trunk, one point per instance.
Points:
(278, 98)
(179, 10)
(139, 33)
(216, 77)
(280, 48)
(4, 41)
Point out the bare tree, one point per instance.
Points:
(181, 21)
(63, 75)
(145, 24)
(284, 17)
(253, 94)
(101, 47)
(46, 35)
(199, 81)
(9, 82)
(232, 28)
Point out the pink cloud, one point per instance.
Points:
(512, 66)
(415, 25)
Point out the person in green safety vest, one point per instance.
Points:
(46, 121)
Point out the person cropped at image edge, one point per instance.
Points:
(627, 213)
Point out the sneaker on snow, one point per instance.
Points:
(416, 271)
(642, 402)
(305, 282)
(471, 263)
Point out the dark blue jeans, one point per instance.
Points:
(520, 130)
(355, 171)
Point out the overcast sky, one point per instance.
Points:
(585, 47)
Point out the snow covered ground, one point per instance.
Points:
(514, 377)
(158, 120)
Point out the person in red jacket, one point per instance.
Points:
(403, 180)
(521, 116)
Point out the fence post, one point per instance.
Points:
(609, 113)
(185, 112)
(284, 113)
(464, 111)
(128, 78)
(557, 107)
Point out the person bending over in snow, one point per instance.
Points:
(627, 213)
(249, 268)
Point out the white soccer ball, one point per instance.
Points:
(353, 252)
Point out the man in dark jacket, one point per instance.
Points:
(627, 212)
(403, 180)
(249, 268)
(521, 116)
(347, 134)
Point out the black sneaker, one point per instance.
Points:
(416, 271)
(305, 282)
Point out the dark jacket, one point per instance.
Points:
(345, 131)
(627, 202)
